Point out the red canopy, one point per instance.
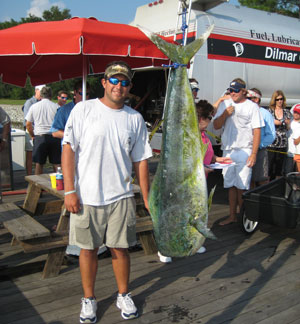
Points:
(56, 50)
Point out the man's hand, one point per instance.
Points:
(229, 110)
(251, 160)
(72, 203)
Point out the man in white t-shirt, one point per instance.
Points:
(242, 121)
(103, 138)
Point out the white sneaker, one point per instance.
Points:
(88, 310)
(126, 304)
(201, 250)
(164, 259)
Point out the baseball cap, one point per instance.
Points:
(296, 109)
(236, 86)
(40, 87)
(118, 68)
(194, 85)
(251, 94)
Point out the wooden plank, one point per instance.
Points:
(21, 225)
(144, 224)
(56, 256)
(56, 240)
(49, 207)
(32, 198)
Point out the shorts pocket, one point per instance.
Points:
(131, 212)
(82, 219)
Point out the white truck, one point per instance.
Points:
(260, 47)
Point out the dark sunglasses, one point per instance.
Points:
(234, 90)
(82, 92)
(64, 98)
(209, 117)
(115, 81)
(278, 99)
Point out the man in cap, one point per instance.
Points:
(195, 87)
(28, 141)
(267, 137)
(103, 138)
(62, 115)
(41, 115)
(62, 97)
(242, 121)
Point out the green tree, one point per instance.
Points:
(55, 14)
(284, 7)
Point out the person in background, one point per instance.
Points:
(62, 114)
(103, 139)
(277, 150)
(41, 114)
(62, 98)
(289, 165)
(195, 87)
(242, 122)
(267, 137)
(295, 134)
(28, 141)
(5, 125)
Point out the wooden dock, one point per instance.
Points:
(240, 279)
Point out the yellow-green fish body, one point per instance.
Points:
(178, 197)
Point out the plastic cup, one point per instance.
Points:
(53, 180)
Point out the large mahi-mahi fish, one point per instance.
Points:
(178, 196)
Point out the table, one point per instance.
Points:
(58, 240)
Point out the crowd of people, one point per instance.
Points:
(99, 141)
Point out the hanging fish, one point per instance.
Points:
(178, 199)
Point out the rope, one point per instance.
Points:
(174, 65)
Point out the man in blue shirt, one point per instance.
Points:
(267, 137)
(62, 115)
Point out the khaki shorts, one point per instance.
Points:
(113, 225)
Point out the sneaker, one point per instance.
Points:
(164, 259)
(126, 304)
(88, 310)
(201, 250)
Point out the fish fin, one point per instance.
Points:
(202, 229)
(209, 201)
(177, 53)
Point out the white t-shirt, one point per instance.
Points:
(238, 128)
(105, 141)
(295, 133)
(42, 115)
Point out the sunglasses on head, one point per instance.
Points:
(80, 93)
(234, 90)
(115, 81)
(278, 99)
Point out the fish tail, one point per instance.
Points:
(177, 53)
(202, 229)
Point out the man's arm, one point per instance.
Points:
(256, 141)
(58, 134)
(29, 127)
(220, 121)
(142, 174)
(72, 203)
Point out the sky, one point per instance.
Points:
(118, 11)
